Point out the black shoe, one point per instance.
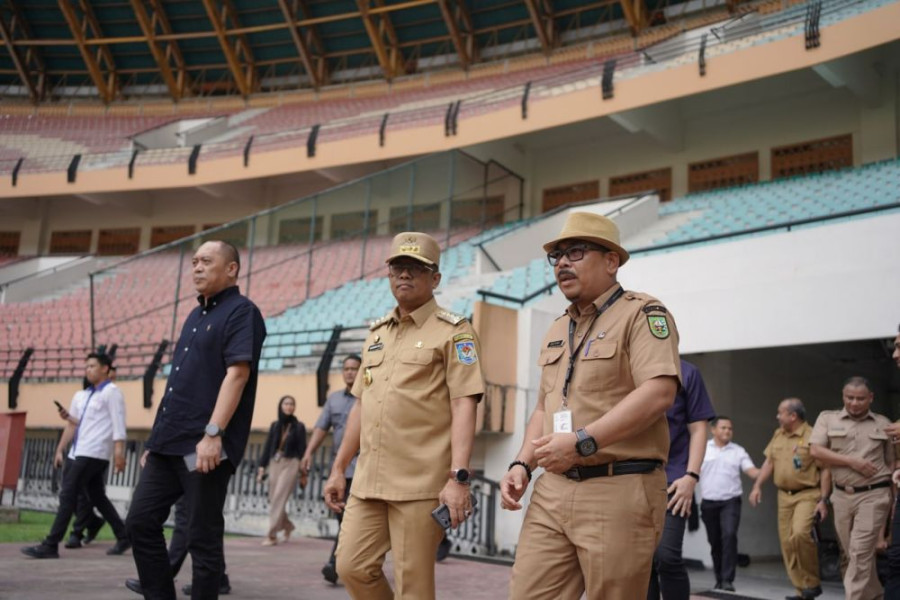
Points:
(74, 541)
(224, 587)
(42, 550)
(727, 586)
(329, 572)
(793, 598)
(718, 585)
(121, 546)
(810, 593)
(92, 532)
(134, 585)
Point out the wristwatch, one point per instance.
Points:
(460, 476)
(586, 445)
(212, 430)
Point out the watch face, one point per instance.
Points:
(212, 430)
(587, 447)
(462, 475)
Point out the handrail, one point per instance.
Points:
(789, 225)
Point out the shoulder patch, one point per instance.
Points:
(655, 308)
(659, 326)
(450, 317)
(379, 322)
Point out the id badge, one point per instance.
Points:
(562, 421)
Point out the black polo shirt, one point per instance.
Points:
(226, 330)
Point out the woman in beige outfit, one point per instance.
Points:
(282, 452)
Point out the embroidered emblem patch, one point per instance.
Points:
(465, 352)
(659, 327)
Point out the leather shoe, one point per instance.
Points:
(727, 586)
(91, 532)
(134, 585)
(810, 593)
(73, 542)
(329, 572)
(120, 547)
(795, 597)
(224, 586)
(42, 550)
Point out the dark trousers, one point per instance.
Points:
(164, 479)
(668, 574)
(721, 519)
(892, 587)
(84, 512)
(178, 545)
(340, 520)
(88, 474)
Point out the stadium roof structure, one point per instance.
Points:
(115, 50)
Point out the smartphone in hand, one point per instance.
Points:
(59, 406)
(442, 514)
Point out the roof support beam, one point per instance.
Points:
(220, 13)
(635, 14)
(81, 21)
(162, 57)
(18, 62)
(459, 24)
(315, 66)
(383, 37)
(541, 13)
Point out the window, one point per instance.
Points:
(569, 194)
(70, 242)
(470, 212)
(296, 231)
(352, 223)
(816, 156)
(170, 233)
(424, 217)
(114, 242)
(659, 180)
(9, 243)
(727, 171)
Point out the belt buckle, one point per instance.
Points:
(574, 474)
(850, 489)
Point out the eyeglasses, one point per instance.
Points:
(572, 253)
(414, 269)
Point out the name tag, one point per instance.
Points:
(562, 421)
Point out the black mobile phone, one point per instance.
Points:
(442, 514)
(59, 406)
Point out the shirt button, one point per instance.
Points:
(185, 349)
(170, 389)
(177, 368)
(204, 312)
(194, 330)
(164, 409)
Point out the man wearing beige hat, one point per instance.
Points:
(609, 370)
(418, 387)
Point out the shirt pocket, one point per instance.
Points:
(838, 440)
(414, 368)
(599, 364)
(877, 442)
(549, 362)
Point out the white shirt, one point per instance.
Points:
(101, 421)
(720, 474)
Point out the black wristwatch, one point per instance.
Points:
(586, 445)
(212, 430)
(460, 476)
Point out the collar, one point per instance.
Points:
(713, 444)
(227, 292)
(797, 432)
(576, 314)
(418, 316)
(99, 388)
(845, 415)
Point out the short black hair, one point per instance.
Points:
(858, 381)
(715, 420)
(351, 357)
(102, 358)
(230, 252)
(795, 405)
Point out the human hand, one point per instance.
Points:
(893, 431)
(143, 460)
(822, 510)
(259, 474)
(755, 497)
(63, 414)
(682, 491)
(305, 463)
(896, 477)
(864, 466)
(209, 453)
(333, 492)
(512, 487)
(119, 462)
(58, 460)
(556, 452)
(458, 500)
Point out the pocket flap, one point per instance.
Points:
(839, 433)
(373, 359)
(417, 356)
(549, 356)
(878, 435)
(601, 349)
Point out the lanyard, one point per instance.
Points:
(574, 352)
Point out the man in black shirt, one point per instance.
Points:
(201, 427)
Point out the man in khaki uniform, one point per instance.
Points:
(803, 492)
(609, 370)
(414, 425)
(854, 444)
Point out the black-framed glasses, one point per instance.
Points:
(414, 269)
(572, 253)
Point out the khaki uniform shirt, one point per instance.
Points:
(864, 438)
(411, 368)
(634, 340)
(795, 469)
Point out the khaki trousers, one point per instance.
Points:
(596, 536)
(372, 527)
(858, 518)
(796, 514)
(282, 479)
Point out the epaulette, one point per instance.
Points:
(450, 317)
(379, 322)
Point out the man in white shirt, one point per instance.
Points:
(96, 429)
(720, 490)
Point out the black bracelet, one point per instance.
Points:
(692, 474)
(523, 465)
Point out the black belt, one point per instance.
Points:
(792, 492)
(623, 467)
(855, 489)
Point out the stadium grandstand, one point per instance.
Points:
(748, 150)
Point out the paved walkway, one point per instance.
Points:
(293, 571)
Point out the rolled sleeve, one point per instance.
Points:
(651, 356)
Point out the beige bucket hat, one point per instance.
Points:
(591, 227)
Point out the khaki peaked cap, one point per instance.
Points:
(417, 245)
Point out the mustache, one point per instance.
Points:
(565, 272)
